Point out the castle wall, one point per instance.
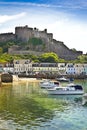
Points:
(23, 33)
(50, 36)
(21, 52)
(13, 49)
(7, 37)
(43, 34)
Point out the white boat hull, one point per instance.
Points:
(48, 86)
(61, 92)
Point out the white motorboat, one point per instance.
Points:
(47, 84)
(71, 89)
(63, 79)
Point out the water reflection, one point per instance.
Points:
(83, 83)
(24, 106)
(69, 98)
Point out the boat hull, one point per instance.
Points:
(49, 84)
(62, 79)
(57, 92)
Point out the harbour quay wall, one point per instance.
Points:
(76, 76)
(53, 76)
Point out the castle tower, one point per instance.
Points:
(23, 33)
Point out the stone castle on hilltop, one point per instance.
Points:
(23, 34)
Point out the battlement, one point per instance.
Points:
(25, 33)
(23, 27)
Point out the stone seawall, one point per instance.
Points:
(48, 76)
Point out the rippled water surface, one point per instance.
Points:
(24, 106)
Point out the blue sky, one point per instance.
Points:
(66, 19)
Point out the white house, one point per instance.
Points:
(85, 69)
(79, 68)
(26, 66)
(62, 68)
(45, 67)
(70, 69)
(22, 66)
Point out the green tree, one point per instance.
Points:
(81, 59)
(48, 57)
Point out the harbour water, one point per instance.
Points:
(24, 106)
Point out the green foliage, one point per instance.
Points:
(35, 41)
(62, 61)
(81, 59)
(48, 57)
(8, 58)
(4, 58)
(6, 45)
(31, 57)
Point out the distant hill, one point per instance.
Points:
(32, 41)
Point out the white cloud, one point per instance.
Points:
(73, 34)
(5, 18)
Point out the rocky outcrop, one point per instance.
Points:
(6, 78)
